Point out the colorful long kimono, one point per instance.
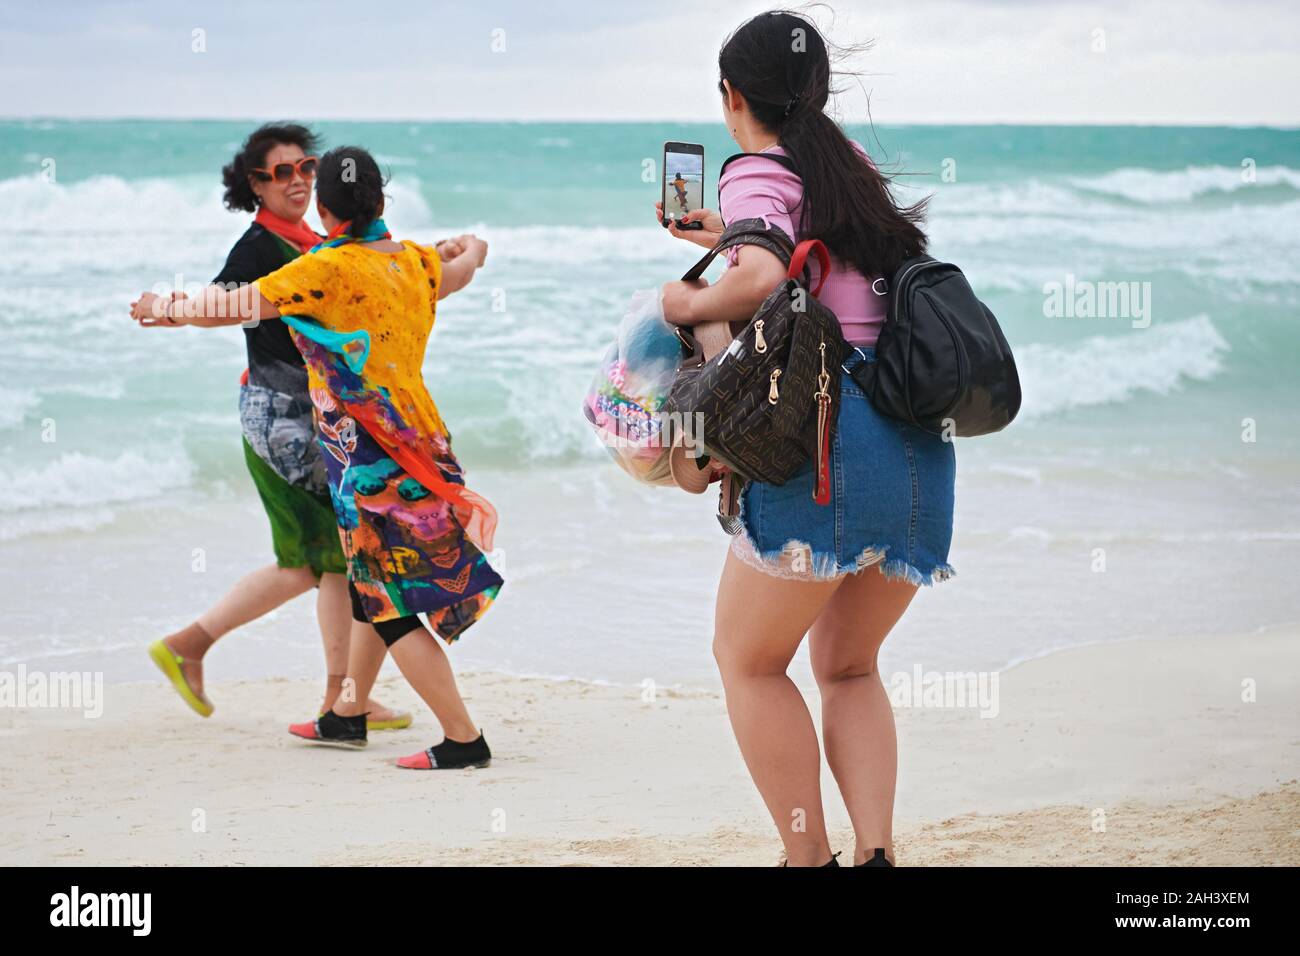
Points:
(415, 536)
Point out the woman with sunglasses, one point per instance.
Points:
(272, 176)
(361, 308)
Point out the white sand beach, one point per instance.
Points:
(1124, 551)
(1131, 753)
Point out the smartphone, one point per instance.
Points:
(683, 183)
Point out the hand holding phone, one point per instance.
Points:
(705, 226)
(683, 186)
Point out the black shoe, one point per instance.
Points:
(331, 730)
(451, 755)
(876, 859)
(833, 862)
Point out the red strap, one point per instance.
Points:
(801, 256)
(822, 490)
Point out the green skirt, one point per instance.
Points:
(303, 529)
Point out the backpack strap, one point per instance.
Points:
(785, 161)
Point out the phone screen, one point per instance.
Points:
(683, 179)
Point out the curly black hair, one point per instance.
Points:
(239, 195)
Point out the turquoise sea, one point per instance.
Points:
(1150, 488)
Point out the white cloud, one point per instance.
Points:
(1203, 61)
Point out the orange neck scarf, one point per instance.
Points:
(297, 234)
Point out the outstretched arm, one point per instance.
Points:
(214, 306)
(457, 272)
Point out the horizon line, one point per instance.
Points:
(534, 121)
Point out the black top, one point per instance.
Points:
(258, 253)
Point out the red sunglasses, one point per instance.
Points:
(283, 172)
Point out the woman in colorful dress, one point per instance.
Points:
(842, 574)
(272, 176)
(360, 308)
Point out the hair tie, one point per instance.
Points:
(789, 107)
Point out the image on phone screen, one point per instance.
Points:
(683, 179)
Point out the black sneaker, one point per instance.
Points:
(834, 861)
(450, 755)
(876, 859)
(331, 730)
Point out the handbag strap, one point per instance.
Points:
(751, 232)
(729, 502)
(799, 262)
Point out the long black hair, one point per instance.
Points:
(239, 196)
(779, 62)
(350, 185)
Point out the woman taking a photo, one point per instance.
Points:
(846, 572)
(272, 176)
(360, 308)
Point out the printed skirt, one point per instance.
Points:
(407, 553)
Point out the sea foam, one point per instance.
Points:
(1106, 369)
(1182, 185)
(73, 489)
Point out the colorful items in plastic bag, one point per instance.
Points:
(630, 387)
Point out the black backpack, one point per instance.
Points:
(942, 363)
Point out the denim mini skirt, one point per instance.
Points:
(891, 502)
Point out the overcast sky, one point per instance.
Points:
(977, 61)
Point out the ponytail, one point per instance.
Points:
(350, 185)
(847, 202)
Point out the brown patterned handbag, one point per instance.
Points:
(768, 401)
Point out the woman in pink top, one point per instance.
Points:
(756, 187)
(844, 572)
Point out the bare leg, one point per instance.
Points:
(760, 622)
(252, 596)
(857, 719)
(334, 616)
(426, 668)
(255, 594)
(365, 657)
